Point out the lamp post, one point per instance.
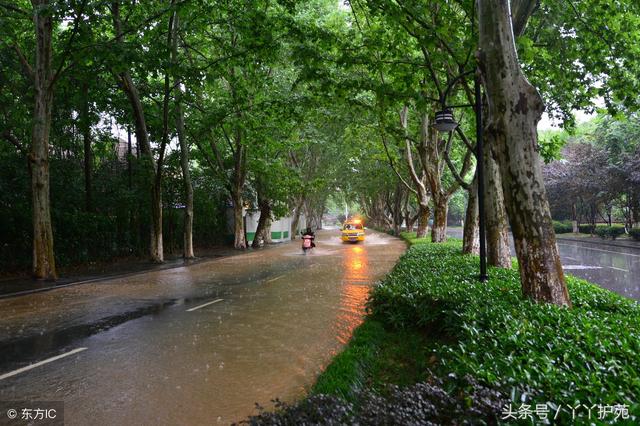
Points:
(445, 122)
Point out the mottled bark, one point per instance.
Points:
(470, 233)
(239, 236)
(431, 151)
(423, 220)
(264, 222)
(497, 225)
(440, 210)
(267, 233)
(44, 264)
(434, 156)
(421, 191)
(515, 108)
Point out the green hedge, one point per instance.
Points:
(635, 234)
(612, 232)
(564, 227)
(590, 229)
(539, 352)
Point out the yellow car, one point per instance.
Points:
(353, 231)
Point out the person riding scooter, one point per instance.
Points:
(307, 240)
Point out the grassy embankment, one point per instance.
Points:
(430, 316)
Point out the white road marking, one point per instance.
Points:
(38, 364)
(205, 304)
(617, 269)
(595, 249)
(574, 267)
(276, 278)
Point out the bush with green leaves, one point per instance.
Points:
(564, 227)
(635, 234)
(539, 353)
(601, 229)
(586, 229)
(612, 232)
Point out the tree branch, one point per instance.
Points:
(67, 49)
(392, 164)
(9, 137)
(26, 67)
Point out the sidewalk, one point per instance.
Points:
(18, 286)
(584, 238)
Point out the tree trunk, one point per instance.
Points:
(44, 264)
(267, 233)
(296, 218)
(129, 152)
(144, 147)
(515, 107)
(411, 220)
(635, 208)
(85, 122)
(187, 245)
(398, 197)
(157, 248)
(440, 210)
(470, 233)
(423, 220)
(239, 242)
(498, 251)
(264, 222)
(406, 213)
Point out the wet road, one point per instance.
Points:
(612, 267)
(194, 345)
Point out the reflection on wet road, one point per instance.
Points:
(612, 267)
(229, 333)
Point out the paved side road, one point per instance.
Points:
(615, 266)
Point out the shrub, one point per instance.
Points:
(564, 227)
(612, 232)
(597, 229)
(586, 229)
(635, 234)
(536, 352)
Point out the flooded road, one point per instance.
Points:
(217, 337)
(616, 268)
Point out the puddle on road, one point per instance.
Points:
(264, 340)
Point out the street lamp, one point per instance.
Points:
(445, 122)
